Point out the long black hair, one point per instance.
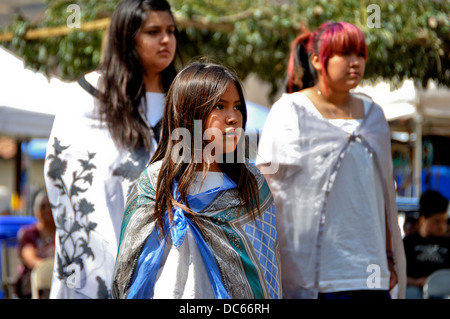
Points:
(122, 83)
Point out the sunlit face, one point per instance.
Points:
(156, 42)
(435, 225)
(345, 71)
(226, 119)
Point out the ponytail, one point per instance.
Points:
(300, 73)
(329, 39)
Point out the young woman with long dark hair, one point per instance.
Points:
(200, 221)
(97, 150)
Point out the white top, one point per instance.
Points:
(330, 238)
(345, 255)
(86, 170)
(182, 273)
(155, 106)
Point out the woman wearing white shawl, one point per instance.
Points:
(98, 149)
(326, 155)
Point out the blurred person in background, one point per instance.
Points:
(36, 243)
(428, 249)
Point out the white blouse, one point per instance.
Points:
(88, 179)
(182, 273)
(354, 209)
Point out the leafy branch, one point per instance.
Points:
(413, 40)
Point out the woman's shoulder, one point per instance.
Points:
(154, 166)
(151, 172)
(256, 173)
(79, 100)
(289, 105)
(94, 78)
(367, 99)
(292, 98)
(28, 233)
(252, 168)
(265, 195)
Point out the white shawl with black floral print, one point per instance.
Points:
(88, 179)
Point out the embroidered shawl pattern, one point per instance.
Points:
(245, 251)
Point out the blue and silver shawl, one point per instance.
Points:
(239, 253)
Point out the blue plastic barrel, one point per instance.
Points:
(437, 178)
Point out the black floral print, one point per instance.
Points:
(74, 229)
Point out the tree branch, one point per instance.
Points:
(224, 24)
(100, 24)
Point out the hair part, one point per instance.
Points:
(122, 82)
(193, 96)
(329, 39)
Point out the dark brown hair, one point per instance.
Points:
(432, 202)
(122, 83)
(193, 95)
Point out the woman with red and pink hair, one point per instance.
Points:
(334, 191)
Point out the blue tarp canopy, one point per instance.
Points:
(437, 177)
(35, 148)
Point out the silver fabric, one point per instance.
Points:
(225, 230)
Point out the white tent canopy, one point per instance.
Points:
(24, 124)
(416, 112)
(396, 104)
(28, 100)
(429, 107)
(434, 107)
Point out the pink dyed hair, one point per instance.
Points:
(329, 39)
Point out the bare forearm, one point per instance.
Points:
(417, 282)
